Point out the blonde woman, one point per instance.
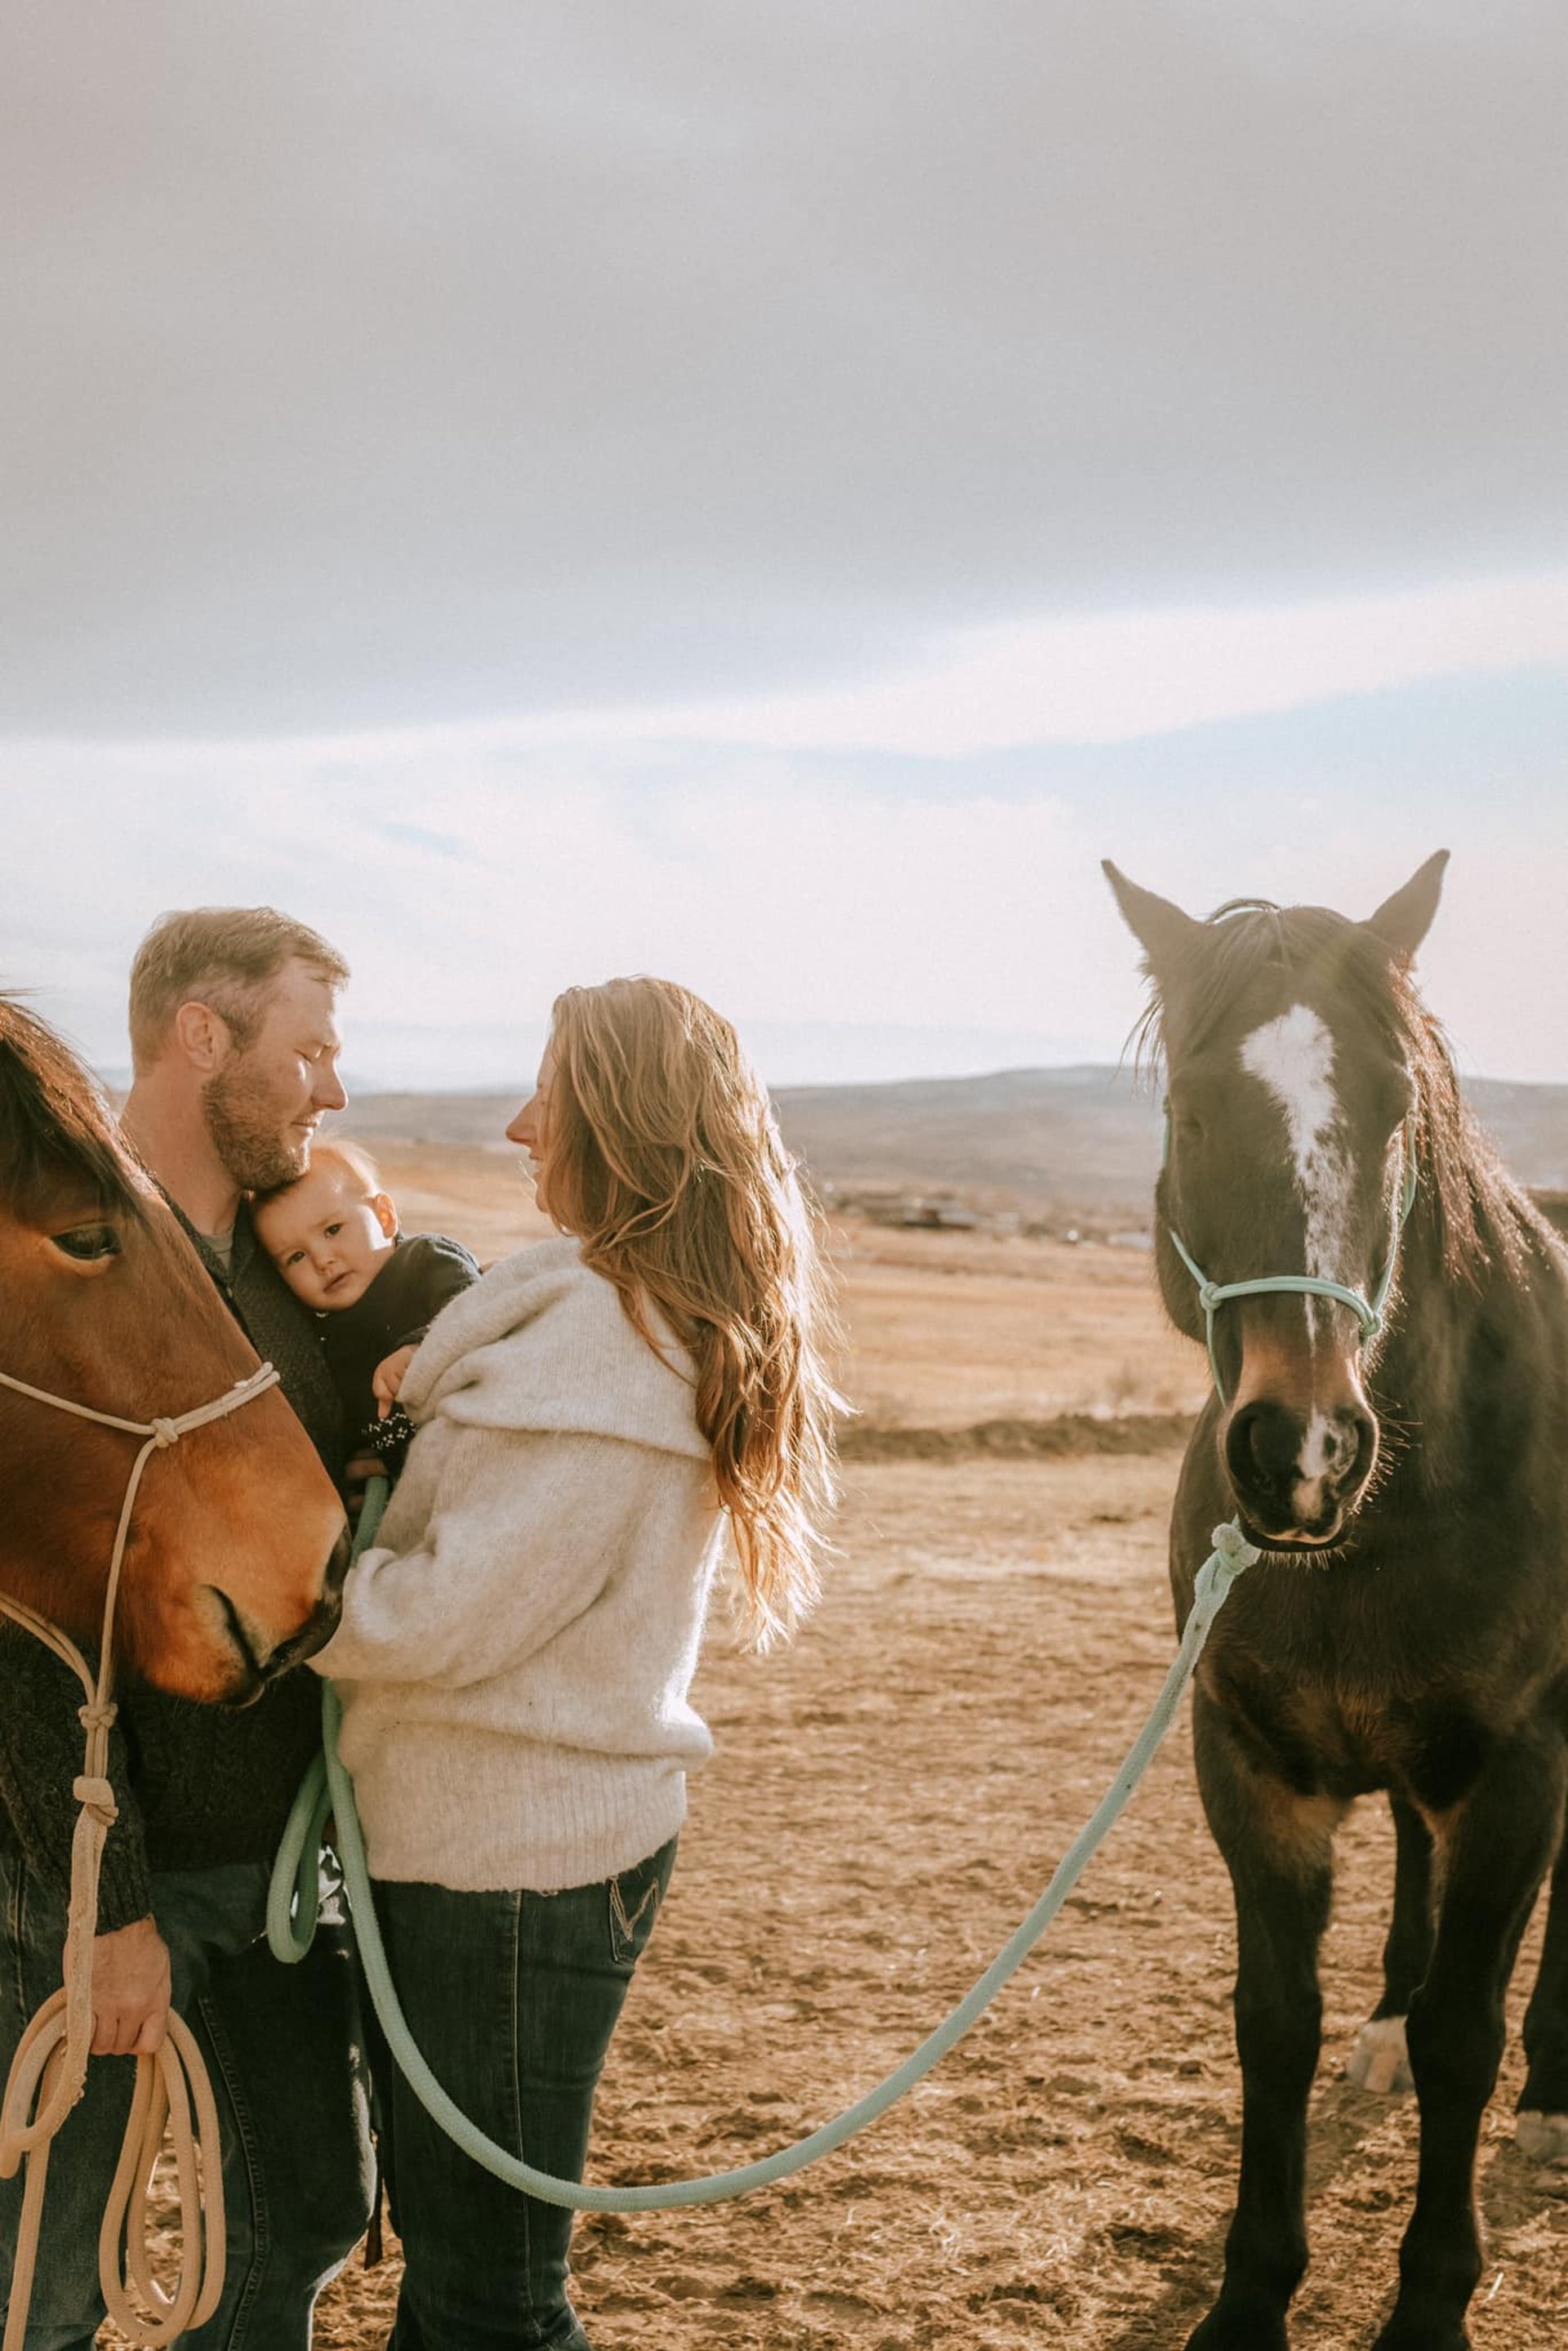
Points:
(599, 1419)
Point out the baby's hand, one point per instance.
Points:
(389, 1375)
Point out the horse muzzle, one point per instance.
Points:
(259, 1660)
(1298, 1477)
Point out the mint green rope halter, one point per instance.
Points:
(327, 1791)
(1368, 1311)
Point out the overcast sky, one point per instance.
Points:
(774, 493)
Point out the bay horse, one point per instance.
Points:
(237, 1547)
(1395, 1447)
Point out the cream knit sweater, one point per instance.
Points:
(514, 1655)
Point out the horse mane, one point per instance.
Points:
(55, 1126)
(1482, 1216)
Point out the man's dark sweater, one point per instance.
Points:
(197, 1786)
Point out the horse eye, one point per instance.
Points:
(87, 1243)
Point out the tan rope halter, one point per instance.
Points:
(50, 2065)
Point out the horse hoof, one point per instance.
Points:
(1424, 2334)
(1229, 2330)
(1541, 2138)
(1380, 2062)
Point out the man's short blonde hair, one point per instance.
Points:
(223, 957)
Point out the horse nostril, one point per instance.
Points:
(1264, 1445)
(1359, 1449)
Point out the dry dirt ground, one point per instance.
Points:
(886, 1800)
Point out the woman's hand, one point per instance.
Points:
(389, 1375)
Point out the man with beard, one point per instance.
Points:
(234, 1046)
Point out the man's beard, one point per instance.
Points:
(244, 1125)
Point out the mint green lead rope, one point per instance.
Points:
(328, 1790)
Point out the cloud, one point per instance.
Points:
(859, 916)
(361, 375)
(773, 494)
(1120, 676)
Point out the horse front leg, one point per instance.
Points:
(1380, 2061)
(1278, 1846)
(1496, 1848)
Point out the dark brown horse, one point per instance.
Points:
(1403, 1474)
(236, 1555)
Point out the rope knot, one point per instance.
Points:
(1209, 1296)
(95, 1717)
(97, 1797)
(1233, 1547)
(164, 1433)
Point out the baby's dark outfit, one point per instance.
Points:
(422, 1273)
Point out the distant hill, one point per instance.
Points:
(1074, 1141)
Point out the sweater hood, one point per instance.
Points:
(543, 1342)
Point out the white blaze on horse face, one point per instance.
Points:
(1293, 1058)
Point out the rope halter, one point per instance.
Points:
(1368, 1311)
(50, 2064)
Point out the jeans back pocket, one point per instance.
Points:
(634, 1896)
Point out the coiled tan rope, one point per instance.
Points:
(48, 2072)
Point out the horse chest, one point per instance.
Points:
(1344, 1735)
(1358, 1740)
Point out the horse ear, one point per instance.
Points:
(1402, 920)
(1161, 929)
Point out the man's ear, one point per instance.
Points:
(203, 1037)
(385, 1210)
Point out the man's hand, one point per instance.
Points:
(388, 1377)
(130, 1989)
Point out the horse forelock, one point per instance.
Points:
(1252, 947)
(56, 1131)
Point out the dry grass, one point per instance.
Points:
(947, 1329)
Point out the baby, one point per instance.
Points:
(333, 1234)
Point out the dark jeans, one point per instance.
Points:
(512, 1998)
(282, 2045)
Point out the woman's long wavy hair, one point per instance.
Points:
(662, 1156)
